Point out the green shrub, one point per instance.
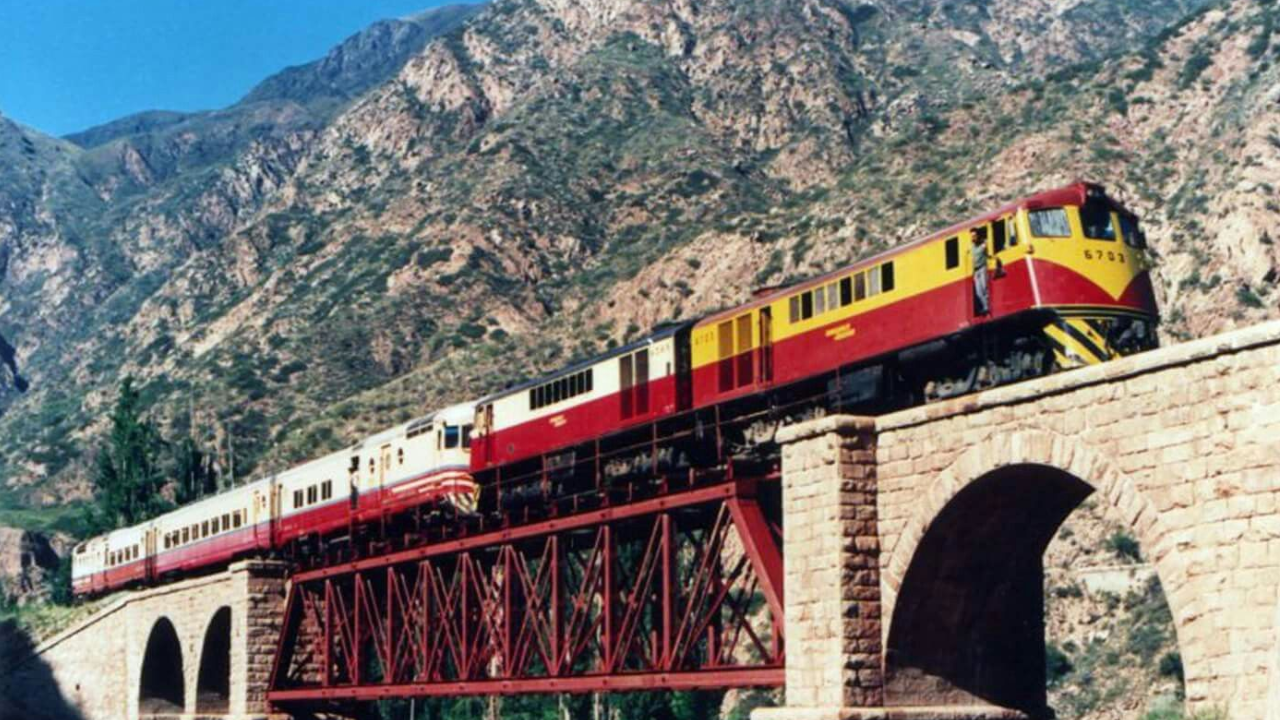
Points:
(1124, 546)
(1056, 664)
(427, 258)
(1171, 666)
(1145, 641)
(1247, 297)
(1258, 46)
(1070, 590)
(1118, 99)
(1194, 68)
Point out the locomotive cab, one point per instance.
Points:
(1091, 267)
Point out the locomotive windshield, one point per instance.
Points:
(455, 435)
(1095, 220)
(1132, 233)
(1049, 223)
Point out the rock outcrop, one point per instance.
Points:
(28, 564)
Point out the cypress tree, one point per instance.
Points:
(127, 477)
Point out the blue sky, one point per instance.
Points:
(66, 65)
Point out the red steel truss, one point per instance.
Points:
(678, 592)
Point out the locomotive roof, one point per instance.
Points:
(456, 414)
(660, 332)
(1074, 194)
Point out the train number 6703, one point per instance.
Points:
(1110, 255)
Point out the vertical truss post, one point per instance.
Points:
(607, 595)
(356, 646)
(668, 591)
(389, 654)
(328, 632)
(557, 655)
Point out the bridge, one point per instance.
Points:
(908, 582)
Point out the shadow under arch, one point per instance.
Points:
(162, 688)
(968, 624)
(213, 684)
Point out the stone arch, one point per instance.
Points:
(162, 687)
(968, 566)
(213, 682)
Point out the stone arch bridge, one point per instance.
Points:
(198, 648)
(914, 541)
(912, 553)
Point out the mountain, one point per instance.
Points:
(424, 216)
(360, 62)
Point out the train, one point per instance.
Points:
(422, 463)
(1052, 281)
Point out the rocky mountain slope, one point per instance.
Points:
(363, 239)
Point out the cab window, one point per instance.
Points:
(1095, 219)
(1049, 223)
(452, 435)
(997, 235)
(1133, 236)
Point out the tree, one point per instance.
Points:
(127, 478)
(193, 472)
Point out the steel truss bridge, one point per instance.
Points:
(681, 591)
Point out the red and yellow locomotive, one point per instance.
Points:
(1053, 281)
